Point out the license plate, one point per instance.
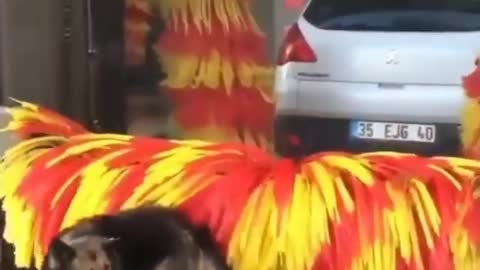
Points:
(392, 131)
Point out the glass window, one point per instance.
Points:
(395, 15)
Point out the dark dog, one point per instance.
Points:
(149, 238)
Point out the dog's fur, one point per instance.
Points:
(149, 238)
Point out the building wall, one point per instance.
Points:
(31, 42)
(284, 16)
(263, 10)
(273, 16)
(44, 54)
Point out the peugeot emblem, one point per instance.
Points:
(392, 58)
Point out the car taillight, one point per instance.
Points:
(471, 83)
(295, 48)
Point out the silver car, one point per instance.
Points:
(360, 75)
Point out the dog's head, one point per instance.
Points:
(83, 253)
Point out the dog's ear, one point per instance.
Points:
(167, 264)
(110, 240)
(110, 243)
(59, 254)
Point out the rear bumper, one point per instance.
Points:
(343, 100)
(318, 134)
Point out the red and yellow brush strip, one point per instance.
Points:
(218, 78)
(213, 44)
(137, 19)
(471, 115)
(328, 211)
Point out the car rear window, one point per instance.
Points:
(395, 15)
